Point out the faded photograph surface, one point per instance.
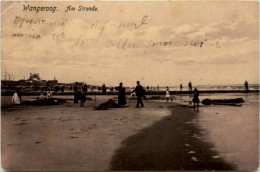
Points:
(98, 86)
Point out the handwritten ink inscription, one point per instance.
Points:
(131, 34)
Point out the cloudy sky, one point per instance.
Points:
(158, 43)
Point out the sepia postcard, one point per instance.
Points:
(129, 86)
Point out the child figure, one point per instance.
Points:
(196, 99)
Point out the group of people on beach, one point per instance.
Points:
(139, 92)
(48, 96)
(79, 95)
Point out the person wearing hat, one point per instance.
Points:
(139, 91)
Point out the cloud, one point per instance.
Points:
(87, 46)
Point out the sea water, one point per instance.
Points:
(233, 130)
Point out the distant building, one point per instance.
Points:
(35, 80)
(34, 77)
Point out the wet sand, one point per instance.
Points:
(173, 143)
(160, 136)
(67, 137)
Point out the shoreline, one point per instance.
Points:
(148, 92)
(173, 143)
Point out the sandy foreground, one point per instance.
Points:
(160, 136)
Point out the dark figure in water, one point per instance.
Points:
(246, 86)
(139, 91)
(85, 88)
(196, 99)
(76, 94)
(104, 89)
(181, 87)
(121, 94)
(190, 86)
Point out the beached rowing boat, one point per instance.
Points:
(235, 101)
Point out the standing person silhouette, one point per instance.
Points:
(139, 91)
(104, 89)
(246, 86)
(167, 94)
(196, 99)
(85, 88)
(121, 94)
(190, 86)
(181, 87)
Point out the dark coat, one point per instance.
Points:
(196, 97)
(139, 91)
(121, 96)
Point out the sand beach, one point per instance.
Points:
(160, 136)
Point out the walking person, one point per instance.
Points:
(246, 86)
(181, 87)
(121, 94)
(196, 99)
(168, 96)
(139, 91)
